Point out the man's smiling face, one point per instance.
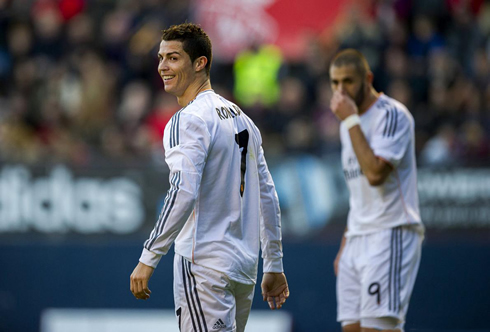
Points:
(175, 67)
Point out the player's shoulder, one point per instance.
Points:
(185, 121)
(205, 106)
(226, 108)
(197, 110)
(391, 107)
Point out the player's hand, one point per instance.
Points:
(339, 254)
(342, 105)
(275, 289)
(139, 281)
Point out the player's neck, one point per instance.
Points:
(193, 90)
(370, 99)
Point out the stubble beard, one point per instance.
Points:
(359, 97)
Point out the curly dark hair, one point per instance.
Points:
(195, 41)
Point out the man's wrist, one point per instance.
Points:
(351, 121)
(273, 265)
(150, 258)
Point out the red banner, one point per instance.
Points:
(237, 24)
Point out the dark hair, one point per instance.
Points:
(195, 41)
(353, 57)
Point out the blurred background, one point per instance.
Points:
(82, 171)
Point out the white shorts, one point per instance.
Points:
(376, 274)
(207, 300)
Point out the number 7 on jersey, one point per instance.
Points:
(242, 140)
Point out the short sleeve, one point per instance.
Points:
(392, 135)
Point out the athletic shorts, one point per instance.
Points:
(207, 300)
(376, 274)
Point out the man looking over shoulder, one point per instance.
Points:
(222, 206)
(380, 252)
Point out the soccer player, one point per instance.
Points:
(222, 206)
(380, 251)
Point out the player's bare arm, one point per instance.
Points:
(139, 281)
(275, 289)
(337, 258)
(374, 168)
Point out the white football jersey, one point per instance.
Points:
(389, 129)
(222, 205)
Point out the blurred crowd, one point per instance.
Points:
(79, 85)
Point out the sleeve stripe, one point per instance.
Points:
(391, 123)
(174, 132)
(396, 122)
(387, 121)
(171, 132)
(167, 207)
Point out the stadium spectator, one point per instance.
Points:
(86, 53)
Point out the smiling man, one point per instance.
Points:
(222, 205)
(380, 252)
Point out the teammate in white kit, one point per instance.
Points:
(222, 206)
(380, 251)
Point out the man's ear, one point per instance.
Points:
(200, 63)
(370, 77)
